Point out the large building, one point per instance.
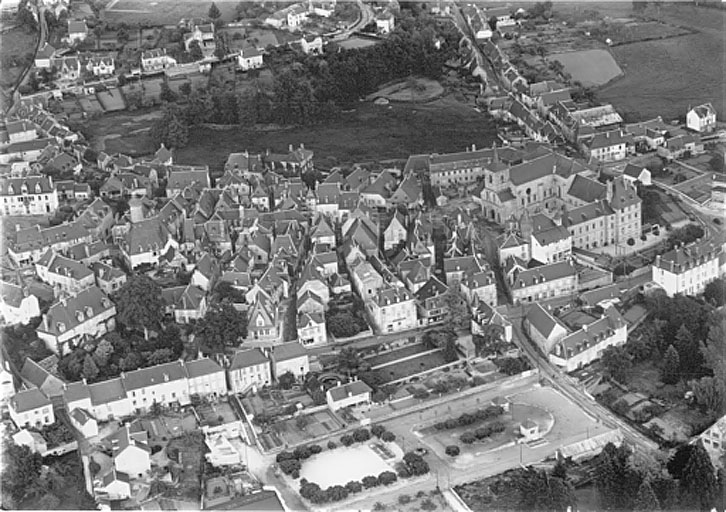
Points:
(34, 195)
(688, 269)
(543, 282)
(393, 309)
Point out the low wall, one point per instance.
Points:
(455, 501)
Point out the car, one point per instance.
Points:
(420, 451)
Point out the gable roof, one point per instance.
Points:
(202, 367)
(287, 351)
(586, 189)
(70, 312)
(28, 400)
(248, 357)
(342, 392)
(153, 375)
(539, 318)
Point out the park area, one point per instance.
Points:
(335, 467)
(589, 67)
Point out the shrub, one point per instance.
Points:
(404, 499)
(427, 504)
(95, 467)
(336, 493)
(420, 494)
(347, 440)
(466, 419)
(295, 474)
(370, 481)
(451, 423)
(388, 436)
(440, 426)
(482, 432)
(284, 456)
(289, 465)
(155, 449)
(421, 394)
(630, 241)
(387, 478)
(643, 238)
(302, 452)
(452, 450)
(467, 437)
(354, 486)
(315, 448)
(361, 435)
(378, 430)
(379, 506)
(403, 472)
(332, 445)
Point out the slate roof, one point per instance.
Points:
(247, 358)
(287, 351)
(680, 259)
(107, 391)
(148, 235)
(154, 375)
(586, 189)
(586, 213)
(539, 318)
(28, 400)
(11, 294)
(356, 388)
(546, 232)
(201, 367)
(544, 273)
(91, 302)
(624, 194)
(34, 184)
(434, 287)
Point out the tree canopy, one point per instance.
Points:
(222, 326)
(139, 305)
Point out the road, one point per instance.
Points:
(39, 44)
(366, 15)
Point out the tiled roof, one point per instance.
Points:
(287, 351)
(75, 310)
(624, 194)
(539, 318)
(586, 213)
(201, 367)
(544, 273)
(586, 189)
(154, 375)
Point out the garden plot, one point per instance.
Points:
(413, 366)
(395, 355)
(590, 67)
(335, 468)
(214, 414)
(312, 426)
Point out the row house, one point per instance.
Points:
(28, 151)
(88, 313)
(431, 302)
(480, 286)
(688, 269)
(591, 226)
(608, 146)
(33, 195)
(456, 268)
(681, 146)
(393, 309)
(361, 231)
(156, 60)
(206, 272)
(109, 279)
(249, 370)
(146, 242)
(181, 177)
(69, 190)
(17, 304)
(546, 281)
(311, 329)
(31, 408)
(550, 242)
(65, 275)
(289, 358)
(21, 130)
(296, 161)
(651, 133)
(511, 244)
(185, 303)
(25, 246)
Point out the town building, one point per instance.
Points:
(65, 275)
(353, 394)
(608, 146)
(77, 31)
(205, 378)
(311, 330)
(688, 269)
(17, 304)
(543, 282)
(249, 58)
(156, 60)
(385, 22)
(290, 357)
(713, 439)
(701, 118)
(250, 369)
(84, 423)
(131, 452)
(31, 408)
(32, 195)
(393, 309)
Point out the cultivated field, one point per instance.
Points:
(590, 67)
(162, 12)
(666, 77)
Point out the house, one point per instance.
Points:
(205, 378)
(33, 440)
(395, 232)
(366, 280)
(108, 279)
(296, 161)
(431, 302)
(603, 297)
(68, 68)
(77, 31)
(688, 269)
(31, 408)
(546, 281)
(513, 245)
(205, 272)
(180, 178)
(544, 329)
(353, 394)
(481, 285)
(289, 18)
(586, 345)
(312, 45)
(311, 329)
(636, 173)
(713, 439)
(322, 233)
(250, 369)
(43, 56)
(385, 22)
(131, 453)
(115, 485)
(204, 35)
(84, 423)
(393, 309)
(249, 58)
(608, 146)
(88, 313)
(146, 242)
(377, 194)
(339, 284)
(28, 151)
(263, 319)
(185, 303)
(409, 194)
(28, 245)
(529, 431)
(485, 317)
(63, 274)
(17, 304)
(290, 357)
(681, 146)
(156, 60)
(165, 384)
(456, 268)
(32, 195)
(64, 163)
(550, 241)
(34, 375)
(701, 118)
(101, 65)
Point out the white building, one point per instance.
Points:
(393, 309)
(290, 357)
(352, 394)
(65, 275)
(115, 485)
(687, 270)
(206, 378)
(609, 146)
(84, 422)
(33, 195)
(156, 60)
(31, 408)
(146, 242)
(77, 31)
(550, 242)
(17, 305)
(311, 329)
(164, 384)
(547, 281)
(713, 439)
(312, 45)
(250, 58)
(249, 369)
(701, 118)
(88, 313)
(131, 453)
(385, 22)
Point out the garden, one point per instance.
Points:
(423, 363)
(187, 454)
(395, 355)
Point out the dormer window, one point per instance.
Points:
(38, 190)
(60, 326)
(79, 316)
(89, 311)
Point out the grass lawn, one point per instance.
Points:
(413, 366)
(370, 133)
(591, 67)
(163, 12)
(396, 354)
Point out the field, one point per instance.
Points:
(356, 42)
(17, 49)
(124, 132)
(666, 77)
(698, 188)
(591, 67)
(412, 89)
(334, 468)
(412, 366)
(396, 354)
(162, 12)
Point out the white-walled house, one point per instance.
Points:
(701, 118)
(17, 305)
(547, 281)
(147, 242)
(688, 269)
(290, 357)
(249, 369)
(131, 454)
(206, 378)
(393, 309)
(311, 329)
(250, 58)
(64, 274)
(90, 312)
(32, 195)
(544, 329)
(31, 408)
(84, 422)
(115, 485)
(348, 395)
(164, 384)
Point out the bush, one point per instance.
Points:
(284, 456)
(427, 504)
(451, 423)
(346, 440)
(630, 242)
(361, 435)
(377, 430)
(404, 499)
(332, 445)
(315, 448)
(354, 486)
(370, 481)
(289, 466)
(467, 437)
(387, 478)
(388, 436)
(403, 472)
(452, 450)
(466, 419)
(643, 238)
(302, 452)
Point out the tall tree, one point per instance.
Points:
(689, 354)
(221, 327)
(646, 500)
(349, 361)
(698, 484)
(540, 491)
(213, 12)
(457, 313)
(139, 305)
(21, 471)
(616, 361)
(615, 480)
(671, 371)
(171, 129)
(90, 370)
(195, 51)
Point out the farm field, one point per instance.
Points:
(659, 75)
(396, 354)
(162, 12)
(412, 366)
(590, 67)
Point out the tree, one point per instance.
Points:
(160, 356)
(342, 325)
(167, 94)
(671, 373)
(171, 129)
(708, 392)
(361, 435)
(349, 361)
(388, 436)
(715, 292)
(370, 481)
(616, 361)
(21, 471)
(452, 450)
(450, 353)
(540, 491)
(26, 20)
(139, 305)
(221, 48)
(286, 380)
(213, 12)
(103, 352)
(560, 470)
(457, 315)
(221, 327)
(614, 478)
(378, 430)
(354, 487)
(646, 499)
(639, 6)
(689, 353)
(698, 483)
(90, 370)
(185, 89)
(387, 478)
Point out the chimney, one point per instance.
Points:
(85, 382)
(290, 148)
(584, 327)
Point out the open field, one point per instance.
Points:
(659, 75)
(412, 366)
(411, 89)
(698, 188)
(396, 354)
(591, 67)
(334, 467)
(356, 42)
(17, 50)
(162, 12)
